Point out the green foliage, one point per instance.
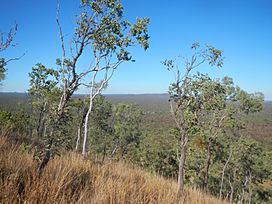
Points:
(250, 103)
(102, 24)
(42, 80)
(24, 148)
(115, 131)
(157, 152)
(246, 170)
(101, 30)
(209, 113)
(17, 122)
(127, 129)
(44, 96)
(156, 148)
(2, 69)
(101, 132)
(191, 94)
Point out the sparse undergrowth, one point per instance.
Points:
(72, 179)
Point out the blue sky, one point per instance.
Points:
(241, 28)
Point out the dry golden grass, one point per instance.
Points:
(72, 179)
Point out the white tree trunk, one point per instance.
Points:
(223, 174)
(86, 128)
(94, 92)
(78, 137)
(92, 96)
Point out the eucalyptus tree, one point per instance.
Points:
(219, 121)
(212, 117)
(225, 114)
(242, 104)
(110, 36)
(105, 37)
(43, 89)
(186, 99)
(245, 171)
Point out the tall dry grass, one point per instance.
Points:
(72, 179)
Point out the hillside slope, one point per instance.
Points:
(71, 179)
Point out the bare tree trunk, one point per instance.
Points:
(41, 121)
(243, 190)
(42, 130)
(92, 95)
(223, 174)
(51, 138)
(80, 128)
(249, 188)
(114, 150)
(47, 153)
(78, 136)
(181, 172)
(38, 129)
(45, 160)
(231, 193)
(86, 129)
(104, 154)
(94, 92)
(181, 194)
(45, 130)
(231, 189)
(208, 162)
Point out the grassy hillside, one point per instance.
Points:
(72, 179)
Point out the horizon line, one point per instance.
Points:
(109, 94)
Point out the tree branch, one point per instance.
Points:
(64, 80)
(16, 58)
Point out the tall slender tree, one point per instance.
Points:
(186, 97)
(43, 86)
(103, 34)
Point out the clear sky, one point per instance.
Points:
(241, 28)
